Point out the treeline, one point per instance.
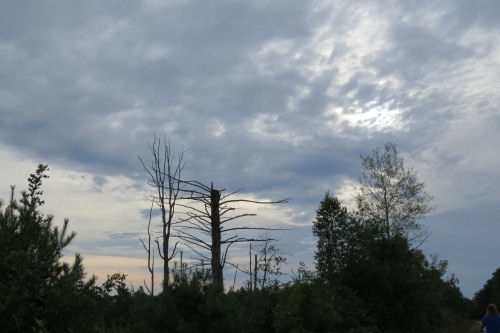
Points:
(374, 284)
(369, 275)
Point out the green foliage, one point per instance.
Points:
(398, 289)
(37, 290)
(489, 293)
(256, 308)
(305, 307)
(340, 237)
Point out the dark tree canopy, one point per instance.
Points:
(399, 289)
(338, 234)
(489, 293)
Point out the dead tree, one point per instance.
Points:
(269, 263)
(207, 229)
(250, 267)
(264, 264)
(164, 173)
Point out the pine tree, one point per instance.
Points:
(338, 234)
(38, 291)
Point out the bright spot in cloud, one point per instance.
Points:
(217, 128)
(376, 117)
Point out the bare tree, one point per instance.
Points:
(267, 262)
(209, 229)
(164, 173)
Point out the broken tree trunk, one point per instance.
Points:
(216, 237)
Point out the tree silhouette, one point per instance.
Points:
(164, 173)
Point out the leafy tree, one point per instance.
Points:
(401, 289)
(387, 279)
(339, 237)
(392, 285)
(391, 195)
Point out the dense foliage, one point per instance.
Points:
(489, 293)
(396, 285)
(363, 282)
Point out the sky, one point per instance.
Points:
(277, 98)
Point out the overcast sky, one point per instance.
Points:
(279, 98)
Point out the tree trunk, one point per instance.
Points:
(250, 265)
(218, 278)
(166, 273)
(255, 273)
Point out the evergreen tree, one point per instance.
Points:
(37, 291)
(339, 237)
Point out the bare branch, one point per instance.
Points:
(237, 217)
(256, 228)
(256, 201)
(159, 251)
(173, 251)
(225, 254)
(145, 285)
(197, 252)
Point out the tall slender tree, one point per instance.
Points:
(164, 173)
(391, 195)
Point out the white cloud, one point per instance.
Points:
(371, 116)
